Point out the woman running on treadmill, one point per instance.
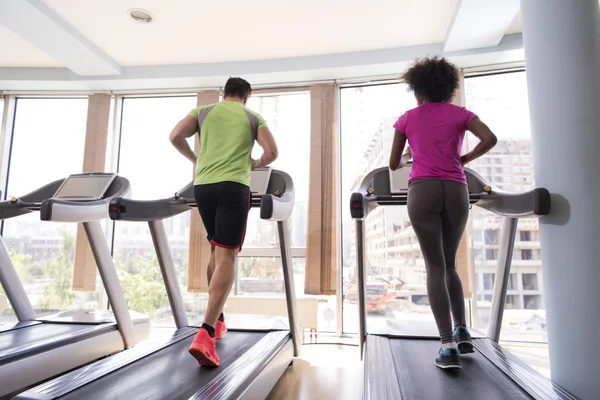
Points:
(438, 198)
(222, 190)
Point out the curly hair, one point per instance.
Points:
(434, 79)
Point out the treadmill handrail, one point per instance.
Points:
(30, 202)
(11, 209)
(53, 209)
(535, 202)
(44, 192)
(124, 209)
(278, 208)
(273, 207)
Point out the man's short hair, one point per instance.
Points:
(238, 88)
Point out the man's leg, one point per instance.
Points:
(220, 284)
(230, 227)
(220, 327)
(211, 264)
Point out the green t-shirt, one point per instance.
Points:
(227, 134)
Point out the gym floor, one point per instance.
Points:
(328, 368)
(323, 371)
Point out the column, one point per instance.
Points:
(560, 40)
(94, 160)
(322, 239)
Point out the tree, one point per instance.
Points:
(20, 263)
(59, 270)
(140, 278)
(142, 284)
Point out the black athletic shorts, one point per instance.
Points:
(224, 210)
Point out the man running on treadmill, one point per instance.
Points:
(222, 191)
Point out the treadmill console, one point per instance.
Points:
(259, 180)
(85, 187)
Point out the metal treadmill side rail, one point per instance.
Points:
(167, 269)
(361, 286)
(238, 375)
(507, 244)
(111, 281)
(530, 380)
(380, 368)
(9, 279)
(288, 280)
(73, 380)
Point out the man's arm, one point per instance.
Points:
(186, 128)
(270, 152)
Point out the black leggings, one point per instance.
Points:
(438, 210)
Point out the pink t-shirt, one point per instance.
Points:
(435, 133)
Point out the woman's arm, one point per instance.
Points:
(487, 140)
(397, 148)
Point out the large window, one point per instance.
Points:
(394, 261)
(501, 102)
(259, 272)
(155, 170)
(47, 144)
(392, 252)
(288, 117)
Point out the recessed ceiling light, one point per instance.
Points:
(141, 15)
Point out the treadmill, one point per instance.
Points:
(252, 359)
(36, 349)
(398, 357)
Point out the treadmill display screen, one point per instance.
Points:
(85, 186)
(259, 180)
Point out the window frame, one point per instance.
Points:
(8, 122)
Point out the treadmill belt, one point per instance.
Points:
(20, 342)
(170, 373)
(419, 378)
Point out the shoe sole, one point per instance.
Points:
(465, 348)
(199, 352)
(450, 366)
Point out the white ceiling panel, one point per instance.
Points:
(189, 31)
(18, 52)
(516, 26)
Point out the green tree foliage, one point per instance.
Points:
(20, 262)
(59, 271)
(142, 284)
(140, 279)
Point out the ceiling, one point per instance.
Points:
(18, 52)
(103, 40)
(515, 27)
(185, 32)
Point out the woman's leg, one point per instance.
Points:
(425, 203)
(454, 220)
